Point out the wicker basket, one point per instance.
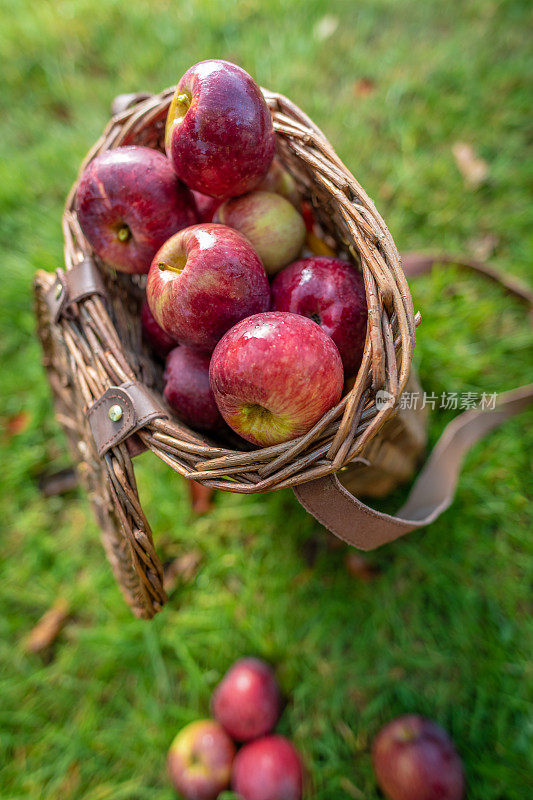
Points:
(95, 343)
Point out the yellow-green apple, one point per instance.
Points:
(204, 280)
(153, 334)
(274, 375)
(332, 293)
(206, 206)
(200, 759)
(414, 759)
(269, 222)
(187, 388)
(268, 769)
(219, 135)
(129, 202)
(247, 700)
(281, 182)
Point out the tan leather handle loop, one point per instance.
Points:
(358, 524)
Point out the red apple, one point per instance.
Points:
(281, 182)
(274, 375)
(219, 133)
(206, 206)
(204, 280)
(247, 700)
(187, 388)
(269, 222)
(268, 769)
(153, 334)
(200, 759)
(414, 759)
(129, 202)
(332, 293)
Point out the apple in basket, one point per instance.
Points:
(204, 280)
(129, 202)
(414, 759)
(270, 222)
(268, 769)
(200, 759)
(219, 134)
(274, 375)
(332, 293)
(247, 700)
(281, 182)
(153, 334)
(187, 388)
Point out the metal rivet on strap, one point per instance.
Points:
(115, 413)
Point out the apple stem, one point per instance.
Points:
(164, 266)
(124, 233)
(183, 100)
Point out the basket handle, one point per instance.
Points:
(363, 527)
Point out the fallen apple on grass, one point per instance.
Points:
(268, 769)
(187, 388)
(219, 134)
(203, 281)
(414, 759)
(274, 375)
(200, 760)
(247, 700)
(331, 292)
(270, 222)
(129, 202)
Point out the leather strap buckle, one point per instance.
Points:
(73, 285)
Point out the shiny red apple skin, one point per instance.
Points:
(220, 140)
(414, 759)
(270, 222)
(331, 292)
(187, 388)
(134, 187)
(274, 375)
(206, 206)
(247, 701)
(222, 282)
(200, 760)
(153, 334)
(268, 769)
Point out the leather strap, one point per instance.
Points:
(363, 527)
(120, 412)
(73, 285)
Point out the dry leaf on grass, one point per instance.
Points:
(325, 27)
(48, 628)
(364, 87)
(473, 168)
(181, 570)
(18, 423)
(201, 497)
(360, 567)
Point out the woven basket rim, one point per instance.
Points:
(349, 215)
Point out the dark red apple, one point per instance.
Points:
(274, 375)
(187, 388)
(281, 182)
(200, 760)
(247, 700)
(414, 759)
(204, 280)
(153, 334)
(332, 293)
(206, 206)
(129, 202)
(268, 769)
(269, 222)
(219, 133)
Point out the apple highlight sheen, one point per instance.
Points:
(187, 388)
(331, 292)
(219, 134)
(204, 280)
(274, 375)
(129, 202)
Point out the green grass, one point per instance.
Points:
(444, 628)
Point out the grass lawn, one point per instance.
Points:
(443, 629)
